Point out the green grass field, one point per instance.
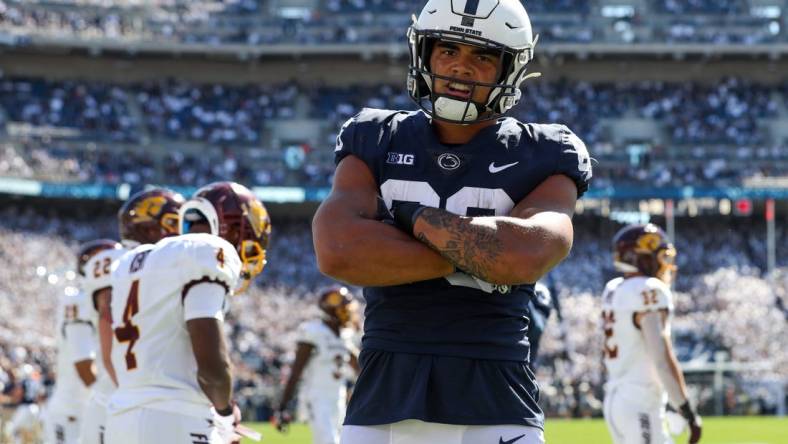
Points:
(723, 430)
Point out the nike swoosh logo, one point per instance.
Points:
(510, 26)
(501, 441)
(432, 12)
(497, 169)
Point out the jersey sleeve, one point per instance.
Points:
(308, 334)
(204, 300)
(364, 136)
(81, 341)
(205, 258)
(573, 159)
(654, 295)
(78, 328)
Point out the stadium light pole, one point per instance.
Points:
(771, 241)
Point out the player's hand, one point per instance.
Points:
(281, 420)
(226, 424)
(693, 421)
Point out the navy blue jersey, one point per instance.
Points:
(458, 316)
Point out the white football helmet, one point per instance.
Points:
(501, 25)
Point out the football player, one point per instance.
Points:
(94, 261)
(168, 305)
(481, 207)
(146, 217)
(324, 351)
(24, 426)
(641, 366)
(74, 367)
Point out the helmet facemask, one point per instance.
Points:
(504, 93)
(666, 260)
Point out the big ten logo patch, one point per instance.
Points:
(401, 159)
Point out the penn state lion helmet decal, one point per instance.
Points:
(502, 26)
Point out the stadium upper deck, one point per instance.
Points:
(263, 27)
(108, 115)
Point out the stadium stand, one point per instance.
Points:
(160, 127)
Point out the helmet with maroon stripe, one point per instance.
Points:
(644, 249)
(149, 216)
(92, 248)
(235, 214)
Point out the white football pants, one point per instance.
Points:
(419, 432)
(94, 421)
(325, 419)
(633, 418)
(60, 428)
(148, 426)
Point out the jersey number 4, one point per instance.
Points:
(129, 332)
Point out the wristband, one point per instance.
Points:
(227, 411)
(405, 215)
(687, 412)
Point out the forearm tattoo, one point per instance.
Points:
(474, 249)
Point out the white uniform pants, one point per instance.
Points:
(148, 426)
(93, 425)
(634, 419)
(24, 423)
(419, 432)
(325, 420)
(60, 427)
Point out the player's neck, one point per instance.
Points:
(454, 134)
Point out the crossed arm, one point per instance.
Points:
(353, 247)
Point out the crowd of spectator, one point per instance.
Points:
(724, 303)
(258, 22)
(213, 113)
(96, 109)
(182, 133)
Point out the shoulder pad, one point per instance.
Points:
(610, 287)
(571, 154)
(310, 332)
(98, 270)
(361, 134)
(77, 308)
(201, 257)
(652, 294)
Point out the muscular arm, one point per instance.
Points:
(302, 357)
(103, 298)
(515, 249)
(660, 349)
(353, 247)
(213, 364)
